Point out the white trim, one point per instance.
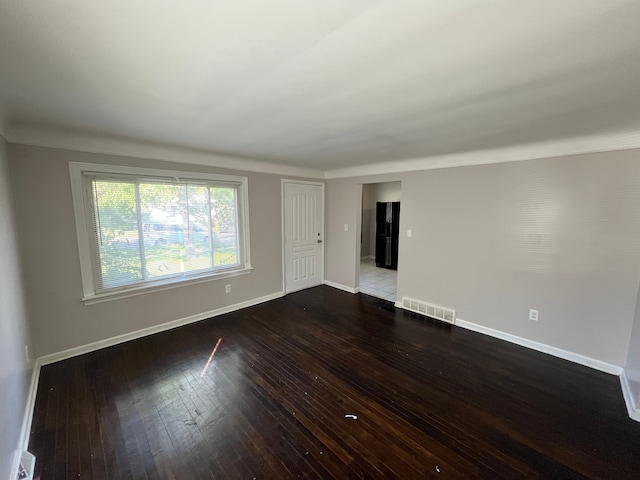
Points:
(339, 286)
(84, 225)
(282, 238)
(15, 465)
(634, 413)
(143, 289)
(110, 168)
(632, 407)
(82, 234)
(30, 404)
(23, 462)
(284, 181)
(95, 143)
(90, 347)
(27, 418)
(541, 347)
(101, 144)
(549, 149)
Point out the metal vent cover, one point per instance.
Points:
(429, 309)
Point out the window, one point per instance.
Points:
(140, 229)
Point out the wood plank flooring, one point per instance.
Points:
(432, 401)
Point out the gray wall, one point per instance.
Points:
(14, 374)
(365, 221)
(47, 234)
(559, 235)
(632, 367)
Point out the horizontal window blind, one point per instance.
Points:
(150, 229)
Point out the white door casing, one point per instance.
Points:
(303, 223)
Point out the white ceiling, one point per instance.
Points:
(323, 84)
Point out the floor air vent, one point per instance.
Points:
(429, 309)
(26, 465)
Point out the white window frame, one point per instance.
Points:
(84, 228)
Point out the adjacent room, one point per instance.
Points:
(380, 239)
(364, 239)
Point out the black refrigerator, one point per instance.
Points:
(387, 233)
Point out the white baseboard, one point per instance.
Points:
(30, 404)
(25, 430)
(633, 409)
(23, 463)
(15, 465)
(339, 286)
(73, 352)
(541, 347)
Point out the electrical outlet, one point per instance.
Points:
(409, 233)
(533, 315)
(346, 227)
(227, 288)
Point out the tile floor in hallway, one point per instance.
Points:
(378, 282)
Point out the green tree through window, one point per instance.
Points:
(149, 230)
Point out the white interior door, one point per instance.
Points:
(303, 235)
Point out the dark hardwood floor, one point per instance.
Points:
(431, 400)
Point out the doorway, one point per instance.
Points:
(303, 234)
(374, 280)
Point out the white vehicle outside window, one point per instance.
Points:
(192, 226)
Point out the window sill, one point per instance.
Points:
(161, 285)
